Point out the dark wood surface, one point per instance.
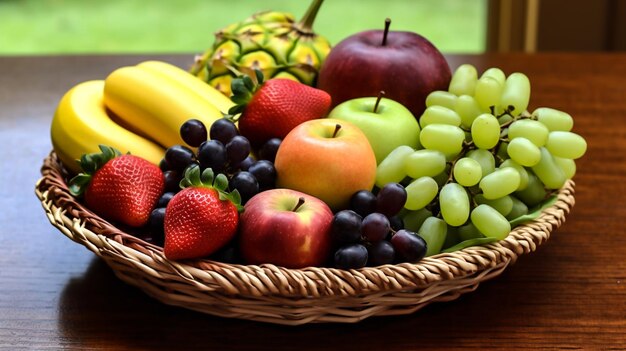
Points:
(570, 294)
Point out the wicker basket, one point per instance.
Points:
(274, 294)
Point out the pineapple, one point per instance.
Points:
(270, 41)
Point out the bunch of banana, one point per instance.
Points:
(270, 41)
(137, 109)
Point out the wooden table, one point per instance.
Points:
(571, 293)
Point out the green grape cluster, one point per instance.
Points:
(483, 160)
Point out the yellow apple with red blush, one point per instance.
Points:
(327, 158)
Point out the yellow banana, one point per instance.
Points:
(192, 82)
(81, 123)
(155, 104)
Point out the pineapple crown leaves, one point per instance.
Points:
(90, 163)
(207, 179)
(243, 88)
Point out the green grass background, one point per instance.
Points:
(34, 27)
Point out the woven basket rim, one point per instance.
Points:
(66, 213)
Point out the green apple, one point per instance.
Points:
(386, 123)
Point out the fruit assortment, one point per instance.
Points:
(234, 163)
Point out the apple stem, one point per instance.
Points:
(387, 24)
(299, 204)
(380, 96)
(337, 127)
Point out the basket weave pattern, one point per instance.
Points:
(274, 294)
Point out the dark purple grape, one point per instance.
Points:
(227, 254)
(346, 227)
(178, 157)
(155, 223)
(396, 223)
(391, 199)
(381, 252)
(269, 149)
(163, 165)
(193, 132)
(246, 163)
(246, 184)
(409, 246)
(363, 202)
(212, 154)
(172, 181)
(351, 256)
(223, 130)
(375, 227)
(265, 174)
(165, 199)
(237, 149)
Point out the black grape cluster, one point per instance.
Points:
(370, 233)
(222, 149)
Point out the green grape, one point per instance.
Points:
(463, 80)
(554, 119)
(534, 193)
(424, 162)
(467, 171)
(490, 222)
(566, 144)
(505, 119)
(487, 93)
(468, 109)
(529, 129)
(433, 231)
(567, 165)
(516, 93)
(496, 74)
(523, 174)
(452, 237)
(443, 137)
(442, 178)
(413, 219)
(519, 209)
(485, 159)
(468, 136)
(501, 153)
(391, 169)
(485, 131)
(548, 171)
(420, 193)
(439, 115)
(454, 204)
(469, 231)
(441, 98)
(504, 204)
(524, 152)
(499, 183)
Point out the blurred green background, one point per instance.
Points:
(34, 27)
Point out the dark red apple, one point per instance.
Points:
(404, 64)
(286, 228)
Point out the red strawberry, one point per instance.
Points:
(271, 109)
(201, 218)
(123, 188)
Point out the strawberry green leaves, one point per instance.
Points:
(90, 163)
(243, 88)
(207, 179)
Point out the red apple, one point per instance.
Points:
(286, 228)
(328, 158)
(403, 64)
